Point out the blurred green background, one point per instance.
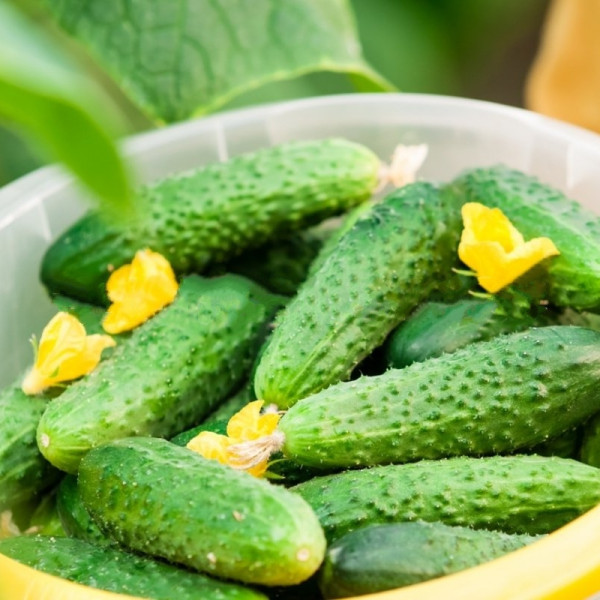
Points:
(473, 48)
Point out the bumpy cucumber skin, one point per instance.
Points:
(380, 270)
(515, 494)
(168, 375)
(384, 557)
(73, 515)
(118, 571)
(590, 445)
(436, 328)
(213, 213)
(281, 266)
(539, 210)
(161, 499)
(24, 472)
(490, 397)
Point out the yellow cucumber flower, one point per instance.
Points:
(492, 247)
(64, 353)
(247, 425)
(138, 291)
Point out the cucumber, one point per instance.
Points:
(161, 499)
(117, 571)
(182, 439)
(384, 557)
(515, 494)
(281, 266)
(565, 445)
(436, 328)
(380, 270)
(45, 519)
(89, 315)
(539, 210)
(590, 445)
(168, 375)
(75, 519)
(24, 472)
(490, 397)
(213, 213)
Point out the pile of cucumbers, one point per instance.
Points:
(424, 430)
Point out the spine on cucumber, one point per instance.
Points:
(117, 571)
(539, 210)
(492, 397)
(214, 213)
(515, 494)
(385, 557)
(380, 270)
(168, 375)
(161, 499)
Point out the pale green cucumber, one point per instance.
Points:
(385, 557)
(214, 213)
(162, 499)
(118, 571)
(537, 210)
(168, 375)
(491, 397)
(515, 494)
(381, 269)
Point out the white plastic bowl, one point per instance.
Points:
(460, 133)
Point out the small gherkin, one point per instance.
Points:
(214, 213)
(536, 210)
(515, 494)
(381, 269)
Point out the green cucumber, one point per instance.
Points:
(540, 210)
(381, 269)
(75, 519)
(168, 375)
(590, 446)
(490, 397)
(24, 472)
(161, 499)
(182, 439)
(436, 328)
(515, 494)
(281, 266)
(45, 519)
(213, 213)
(117, 571)
(384, 557)
(565, 445)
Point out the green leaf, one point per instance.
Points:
(176, 58)
(41, 91)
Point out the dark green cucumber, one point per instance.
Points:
(24, 472)
(73, 515)
(213, 213)
(515, 494)
(565, 445)
(118, 571)
(380, 270)
(168, 375)
(436, 328)
(540, 210)
(590, 445)
(384, 557)
(281, 266)
(490, 397)
(161, 499)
